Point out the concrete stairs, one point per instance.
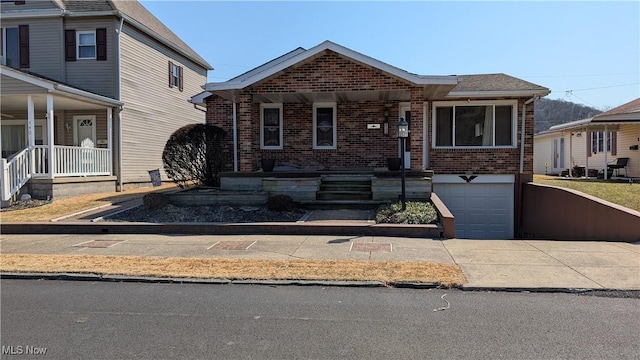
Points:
(344, 192)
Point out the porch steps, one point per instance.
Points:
(340, 188)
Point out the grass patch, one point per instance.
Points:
(389, 272)
(625, 194)
(417, 212)
(61, 207)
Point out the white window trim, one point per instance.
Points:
(335, 125)
(75, 128)
(280, 130)
(608, 144)
(95, 45)
(514, 122)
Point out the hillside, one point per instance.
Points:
(553, 112)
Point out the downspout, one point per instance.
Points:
(524, 111)
(120, 185)
(235, 138)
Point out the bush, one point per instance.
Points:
(194, 154)
(281, 203)
(416, 213)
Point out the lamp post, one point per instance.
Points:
(403, 133)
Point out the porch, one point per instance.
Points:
(53, 134)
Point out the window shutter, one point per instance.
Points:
(23, 40)
(589, 142)
(101, 44)
(614, 143)
(70, 45)
(170, 74)
(180, 77)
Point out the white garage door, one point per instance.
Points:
(482, 209)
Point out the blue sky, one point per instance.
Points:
(585, 52)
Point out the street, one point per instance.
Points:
(44, 319)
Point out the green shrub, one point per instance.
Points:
(416, 213)
(281, 203)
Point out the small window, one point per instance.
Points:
(175, 76)
(597, 141)
(14, 47)
(271, 126)
(86, 44)
(324, 125)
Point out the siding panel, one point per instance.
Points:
(93, 75)
(153, 110)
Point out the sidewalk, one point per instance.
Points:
(511, 264)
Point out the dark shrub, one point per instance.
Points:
(281, 203)
(194, 155)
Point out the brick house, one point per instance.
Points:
(331, 109)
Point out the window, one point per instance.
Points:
(271, 126)
(175, 76)
(14, 46)
(472, 124)
(324, 125)
(597, 141)
(86, 44)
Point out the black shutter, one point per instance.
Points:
(170, 74)
(70, 45)
(180, 77)
(23, 40)
(101, 44)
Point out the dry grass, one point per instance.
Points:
(448, 275)
(61, 207)
(625, 194)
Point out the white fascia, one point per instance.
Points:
(480, 93)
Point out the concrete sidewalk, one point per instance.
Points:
(512, 264)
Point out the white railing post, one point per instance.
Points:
(50, 139)
(4, 177)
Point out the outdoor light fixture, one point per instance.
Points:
(403, 133)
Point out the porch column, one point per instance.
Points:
(31, 137)
(606, 139)
(417, 128)
(50, 130)
(245, 130)
(110, 138)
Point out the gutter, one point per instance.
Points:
(119, 70)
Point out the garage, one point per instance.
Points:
(481, 204)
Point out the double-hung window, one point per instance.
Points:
(474, 124)
(271, 126)
(324, 125)
(175, 76)
(86, 44)
(14, 46)
(597, 141)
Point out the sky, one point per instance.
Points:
(585, 52)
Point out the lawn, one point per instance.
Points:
(624, 194)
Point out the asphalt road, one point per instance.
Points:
(102, 320)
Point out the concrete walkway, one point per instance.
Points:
(513, 264)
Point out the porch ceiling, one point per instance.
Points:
(13, 103)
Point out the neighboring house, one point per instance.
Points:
(106, 71)
(592, 144)
(331, 108)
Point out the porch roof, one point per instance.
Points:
(625, 113)
(434, 86)
(17, 84)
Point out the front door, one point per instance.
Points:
(405, 112)
(85, 131)
(558, 154)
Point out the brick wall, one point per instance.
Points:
(357, 147)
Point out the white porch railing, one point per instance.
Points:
(15, 173)
(73, 161)
(69, 161)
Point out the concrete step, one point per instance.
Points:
(341, 204)
(344, 195)
(343, 186)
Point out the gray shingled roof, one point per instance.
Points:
(494, 82)
(136, 11)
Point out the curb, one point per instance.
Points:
(171, 280)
